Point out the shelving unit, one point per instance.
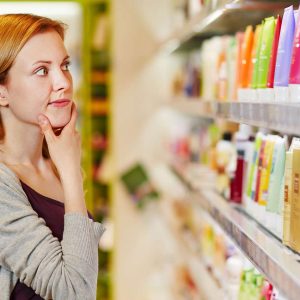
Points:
(208, 286)
(205, 283)
(267, 115)
(225, 18)
(279, 264)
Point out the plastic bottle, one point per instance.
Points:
(234, 268)
(243, 147)
(226, 162)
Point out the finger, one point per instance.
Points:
(72, 122)
(46, 128)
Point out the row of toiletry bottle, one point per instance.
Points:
(259, 172)
(266, 182)
(260, 64)
(235, 274)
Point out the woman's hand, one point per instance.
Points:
(65, 153)
(64, 149)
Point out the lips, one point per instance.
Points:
(60, 102)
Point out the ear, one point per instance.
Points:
(3, 96)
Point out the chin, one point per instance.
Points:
(60, 119)
(59, 123)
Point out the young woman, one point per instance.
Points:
(48, 244)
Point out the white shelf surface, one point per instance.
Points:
(227, 17)
(208, 285)
(279, 264)
(282, 117)
(204, 280)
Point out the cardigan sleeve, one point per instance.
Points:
(55, 270)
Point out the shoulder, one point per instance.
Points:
(10, 185)
(7, 175)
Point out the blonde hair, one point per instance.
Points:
(15, 31)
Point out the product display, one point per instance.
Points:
(238, 183)
(189, 114)
(265, 63)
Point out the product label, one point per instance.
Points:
(296, 184)
(286, 193)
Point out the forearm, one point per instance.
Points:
(73, 191)
(55, 270)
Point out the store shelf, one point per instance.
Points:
(207, 284)
(226, 18)
(280, 265)
(282, 117)
(204, 280)
(195, 106)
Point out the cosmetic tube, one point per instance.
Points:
(254, 50)
(284, 53)
(256, 60)
(253, 165)
(276, 182)
(294, 194)
(253, 72)
(257, 182)
(246, 57)
(287, 198)
(239, 38)
(266, 171)
(249, 92)
(271, 73)
(295, 205)
(264, 59)
(249, 194)
(294, 81)
(265, 52)
(231, 56)
(209, 55)
(245, 63)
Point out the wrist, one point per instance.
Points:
(72, 180)
(70, 174)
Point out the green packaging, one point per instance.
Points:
(255, 61)
(265, 50)
(277, 176)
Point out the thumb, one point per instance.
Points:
(46, 128)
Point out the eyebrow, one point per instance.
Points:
(48, 61)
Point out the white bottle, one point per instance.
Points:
(234, 268)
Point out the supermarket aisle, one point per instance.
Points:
(211, 71)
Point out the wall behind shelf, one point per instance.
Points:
(139, 87)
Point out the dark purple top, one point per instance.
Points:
(52, 211)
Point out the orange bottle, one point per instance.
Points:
(246, 57)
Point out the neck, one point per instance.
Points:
(22, 144)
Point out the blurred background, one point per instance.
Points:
(154, 82)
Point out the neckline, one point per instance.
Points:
(43, 196)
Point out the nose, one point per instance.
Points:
(62, 80)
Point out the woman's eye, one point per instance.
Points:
(42, 71)
(66, 66)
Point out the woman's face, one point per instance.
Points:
(38, 77)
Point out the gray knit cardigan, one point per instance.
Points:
(65, 270)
